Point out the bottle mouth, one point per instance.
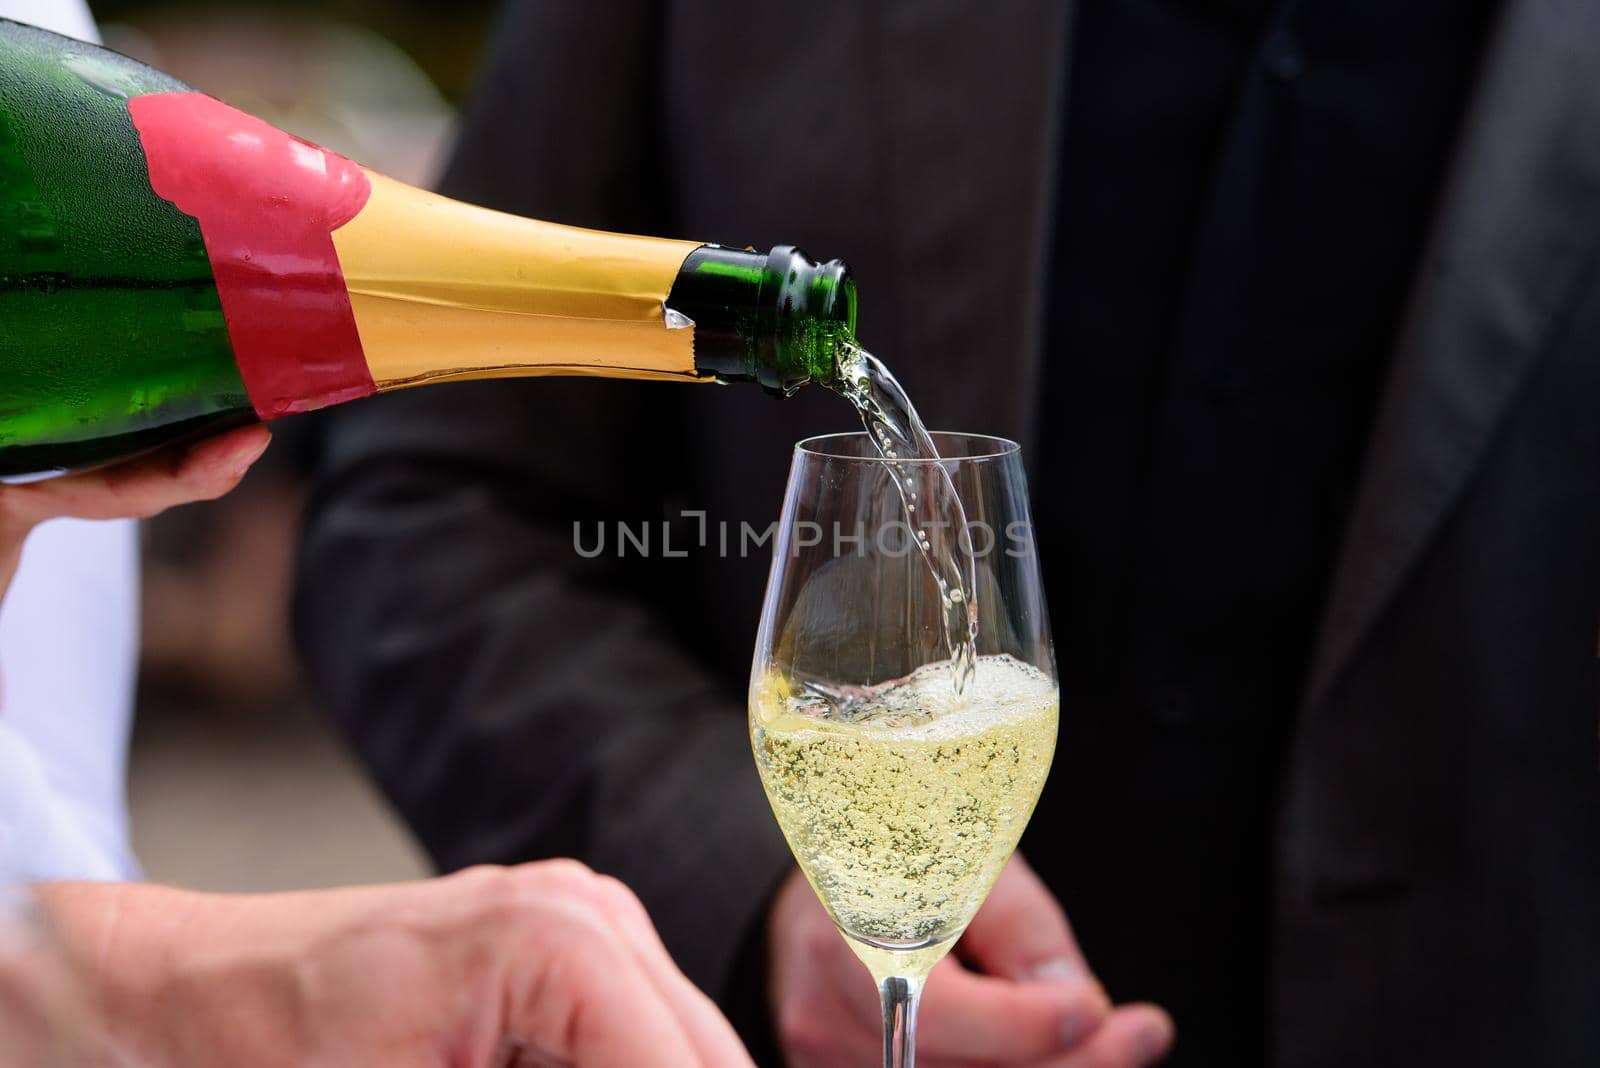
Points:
(815, 313)
(825, 291)
(777, 318)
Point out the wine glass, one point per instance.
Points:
(901, 797)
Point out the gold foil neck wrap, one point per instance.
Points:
(443, 290)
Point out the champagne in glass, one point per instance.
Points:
(901, 792)
(903, 816)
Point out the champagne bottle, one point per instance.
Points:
(171, 266)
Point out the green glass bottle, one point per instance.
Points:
(776, 318)
(170, 267)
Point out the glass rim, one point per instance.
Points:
(998, 448)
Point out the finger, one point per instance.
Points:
(1021, 933)
(711, 1035)
(844, 1008)
(836, 1035)
(585, 999)
(1134, 1036)
(978, 1017)
(142, 488)
(845, 974)
(826, 1009)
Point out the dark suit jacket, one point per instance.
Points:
(1438, 887)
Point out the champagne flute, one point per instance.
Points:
(901, 796)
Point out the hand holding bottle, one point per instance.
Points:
(543, 964)
(1029, 998)
(137, 489)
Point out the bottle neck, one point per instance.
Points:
(778, 318)
(443, 291)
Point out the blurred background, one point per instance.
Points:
(237, 782)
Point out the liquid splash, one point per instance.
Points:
(932, 507)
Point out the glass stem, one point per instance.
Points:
(900, 997)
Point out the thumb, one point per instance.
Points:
(1021, 933)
